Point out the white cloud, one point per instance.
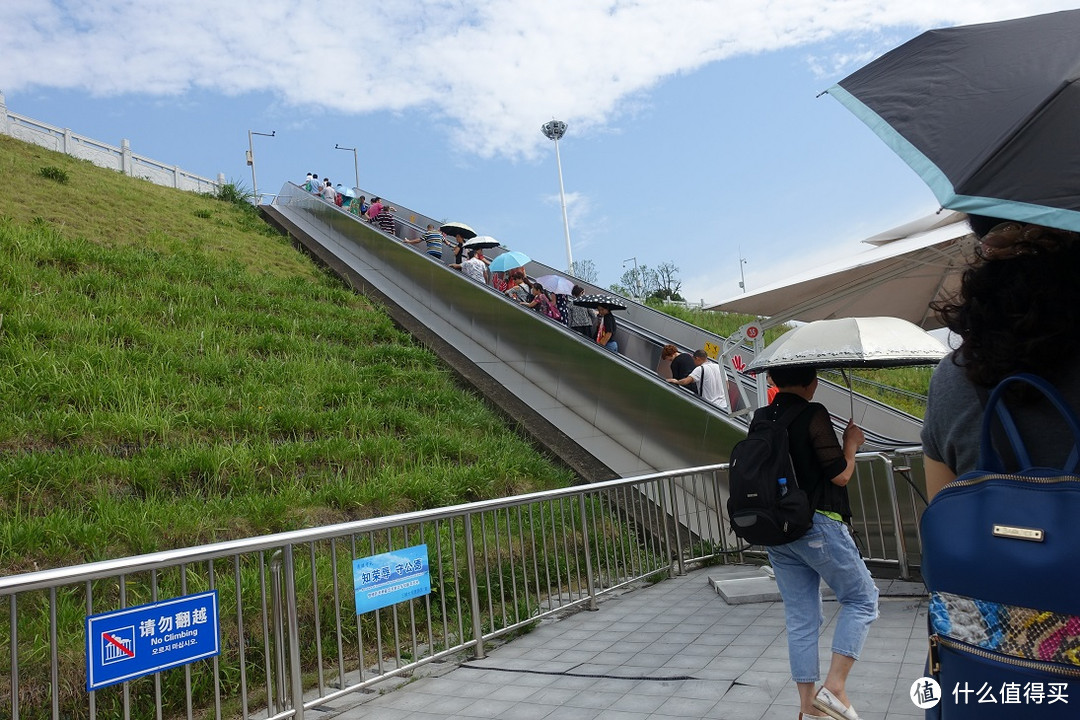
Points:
(486, 69)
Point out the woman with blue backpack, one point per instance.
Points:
(1001, 537)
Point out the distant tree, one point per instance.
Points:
(634, 282)
(585, 270)
(659, 283)
(665, 283)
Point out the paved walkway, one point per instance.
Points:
(671, 651)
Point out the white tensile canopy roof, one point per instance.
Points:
(910, 267)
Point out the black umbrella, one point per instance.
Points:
(455, 228)
(985, 114)
(595, 301)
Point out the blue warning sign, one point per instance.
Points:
(136, 641)
(382, 580)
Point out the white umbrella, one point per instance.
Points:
(868, 342)
(556, 284)
(481, 242)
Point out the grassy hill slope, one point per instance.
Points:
(173, 372)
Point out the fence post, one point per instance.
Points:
(661, 492)
(678, 535)
(125, 158)
(474, 589)
(588, 554)
(295, 674)
(898, 523)
(277, 702)
(3, 116)
(14, 615)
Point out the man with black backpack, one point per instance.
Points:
(821, 467)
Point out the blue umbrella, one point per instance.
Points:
(509, 261)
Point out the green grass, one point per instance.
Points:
(168, 360)
(723, 324)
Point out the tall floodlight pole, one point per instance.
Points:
(251, 160)
(355, 162)
(555, 130)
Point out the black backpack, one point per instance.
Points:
(759, 514)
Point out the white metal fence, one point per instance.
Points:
(101, 154)
(290, 638)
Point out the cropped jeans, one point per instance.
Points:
(826, 552)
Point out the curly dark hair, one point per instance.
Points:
(1020, 314)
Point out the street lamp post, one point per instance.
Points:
(553, 131)
(356, 163)
(742, 275)
(637, 276)
(251, 160)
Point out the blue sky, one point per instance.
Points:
(694, 126)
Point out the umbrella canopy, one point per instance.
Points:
(556, 284)
(455, 228)
(595, 301)
(509, 261)
(481, 242)
(911, 267)
(353, 192)
(985, 114)
(870, 342)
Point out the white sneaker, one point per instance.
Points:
(829, 704)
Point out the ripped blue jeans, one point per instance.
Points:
(826, 552)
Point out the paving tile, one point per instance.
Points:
(751, 694)
(593, 698)
(637, 702)
(573, 713)
(528, 711)
(487, 708)
(621, 715)
(728, 710)
(685, 707)
(705, 689)
(552, 696)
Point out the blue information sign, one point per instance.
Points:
(382, 580)
(136, 641)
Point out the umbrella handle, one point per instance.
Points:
(851, 393)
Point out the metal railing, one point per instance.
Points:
(290, 638)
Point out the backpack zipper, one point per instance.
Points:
(959, 645)
(1010, 476)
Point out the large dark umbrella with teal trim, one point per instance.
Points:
(986, 114)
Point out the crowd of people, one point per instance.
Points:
(692, 371)
(598, 325)
(376, 212)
